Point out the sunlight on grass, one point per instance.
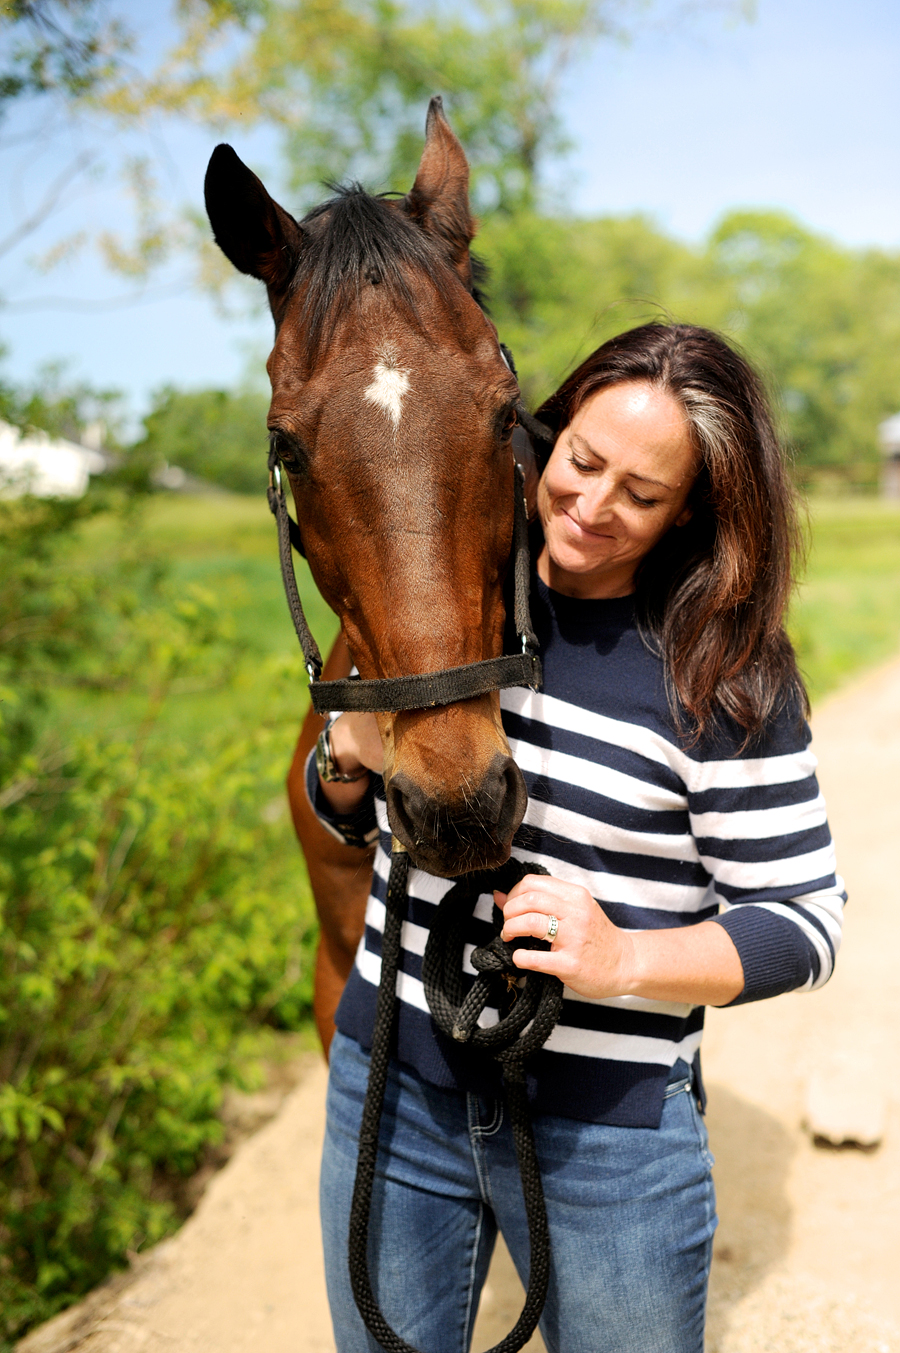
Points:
(846, 615)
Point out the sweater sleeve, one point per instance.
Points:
(758, 819)
(359, 828)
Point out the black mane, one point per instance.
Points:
(356, 238)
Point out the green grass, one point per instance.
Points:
(845, 617)
(226, 544)
(846, 614)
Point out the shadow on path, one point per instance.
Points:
(753, 1153)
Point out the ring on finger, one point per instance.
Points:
(552, 927)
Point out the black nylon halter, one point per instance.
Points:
(421, 690)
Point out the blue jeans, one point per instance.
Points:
(631, 1214)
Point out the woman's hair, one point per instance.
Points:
(711, 595)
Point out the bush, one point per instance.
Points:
(218, 436)
(150, 915)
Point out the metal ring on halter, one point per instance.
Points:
(552, 927)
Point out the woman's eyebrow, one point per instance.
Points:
(645, 479)
(630, 474)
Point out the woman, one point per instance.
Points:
(673, 801)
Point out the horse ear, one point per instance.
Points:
(253, 232)
(439, 198)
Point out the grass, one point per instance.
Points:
(846, 614)
(845, 617)
(226, 544)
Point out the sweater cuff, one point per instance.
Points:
(359, 828)
(775, 954)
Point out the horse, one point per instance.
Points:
(392, 413)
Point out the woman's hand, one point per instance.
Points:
(691, 965)
(355, 748)
(589, 954)
(356, 744)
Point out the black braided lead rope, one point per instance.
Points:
(537, 1003)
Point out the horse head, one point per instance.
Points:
(393, 409)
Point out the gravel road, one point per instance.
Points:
(808, 1250)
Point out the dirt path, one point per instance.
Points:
(808, 1251)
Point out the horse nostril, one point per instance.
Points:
(495, 801)
(514, 799)
(485, 818)
(407, 809)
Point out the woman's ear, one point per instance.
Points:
(684, 516)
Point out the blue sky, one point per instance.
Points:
(799, 110)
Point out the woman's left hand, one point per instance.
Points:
(588, 953)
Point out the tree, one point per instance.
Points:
(347, 82)
(210, 433)
(57, 46)
(824, 323)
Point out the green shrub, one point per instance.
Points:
(152, 913)
(213, 434)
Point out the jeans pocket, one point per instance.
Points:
(702, 1133)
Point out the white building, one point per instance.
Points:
(49, 467)
(889, 436)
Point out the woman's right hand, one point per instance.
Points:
(356, 744)
(355, 747)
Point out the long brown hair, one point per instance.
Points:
(711, 596)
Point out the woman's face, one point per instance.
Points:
(618, 478)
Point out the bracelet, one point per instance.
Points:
(328, 771)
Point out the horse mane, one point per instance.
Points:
(356, 237)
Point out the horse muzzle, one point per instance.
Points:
(473, 829)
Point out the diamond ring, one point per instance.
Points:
(552, 927)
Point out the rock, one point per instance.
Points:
(845, 1107)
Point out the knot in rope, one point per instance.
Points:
(494, 957)
(522, 999)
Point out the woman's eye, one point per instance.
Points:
(580, 465)
(642, 502)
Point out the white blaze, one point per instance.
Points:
(389, 384)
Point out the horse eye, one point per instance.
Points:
(509, 421)
(287, 451)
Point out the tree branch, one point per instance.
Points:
(49, 203)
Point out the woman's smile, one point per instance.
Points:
(617, 480)
(578, 528)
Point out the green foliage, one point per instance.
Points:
(821, 322)
(846, 614)
(348, 82)
(559, 286)
(215, 435)
(63, 407)
(58, 46)
(150, 914)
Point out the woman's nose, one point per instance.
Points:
(598, 502)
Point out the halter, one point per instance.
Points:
(423, 690)
(528, 1017)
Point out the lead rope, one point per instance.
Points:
(538, 1004)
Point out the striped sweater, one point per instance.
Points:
(659, 832)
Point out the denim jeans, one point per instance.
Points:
(631, 1214)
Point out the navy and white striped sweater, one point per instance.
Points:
(660, 833)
